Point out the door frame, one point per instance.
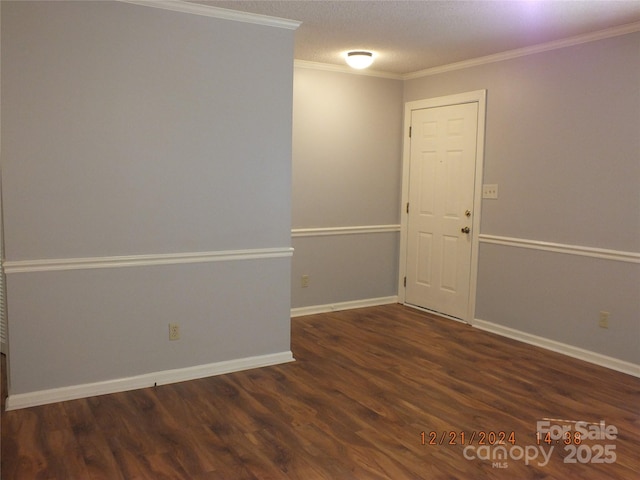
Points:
(479, 97)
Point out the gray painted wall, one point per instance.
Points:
(129, 130)
(347, 149)
(563, 144)
(121, 138)
(344, 268)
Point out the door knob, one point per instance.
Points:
(467, 213)
(465, 230)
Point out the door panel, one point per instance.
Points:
(425, 252)
(441, 190)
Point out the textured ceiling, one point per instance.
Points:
(410, 36)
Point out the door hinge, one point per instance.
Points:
(409, 132)
(405, 281)
(407, 207)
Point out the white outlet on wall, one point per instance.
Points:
(490, 190)
(304, 282)
(603, 322)
(174, 331)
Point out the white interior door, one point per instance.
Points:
(441, 196)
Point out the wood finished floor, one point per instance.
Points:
(365, 385)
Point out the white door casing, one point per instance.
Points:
(442, 178)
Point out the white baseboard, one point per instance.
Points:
(42, 397)
(334, 307)
(563, 348)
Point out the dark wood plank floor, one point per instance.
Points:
(366, 384)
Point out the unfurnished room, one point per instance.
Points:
(325, 240)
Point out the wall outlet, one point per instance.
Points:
(490, 191)
(174, 331)
(604, 320)
(304, 282)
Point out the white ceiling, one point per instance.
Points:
(411, 36)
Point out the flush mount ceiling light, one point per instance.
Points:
(359, 59)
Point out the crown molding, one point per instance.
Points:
(330, 67)
(474, 62)
(223, 13)
(521, 52)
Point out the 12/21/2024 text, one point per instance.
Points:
(480, 437)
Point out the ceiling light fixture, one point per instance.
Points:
(359, 59)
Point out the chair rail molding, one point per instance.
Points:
(44, 265)
(349, 230)
(603, 253)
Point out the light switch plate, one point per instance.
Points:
(490, 190)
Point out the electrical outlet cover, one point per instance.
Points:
(174, 331)
(490, 191)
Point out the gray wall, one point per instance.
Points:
(346, 173)
(129, 130)
(563, 144)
